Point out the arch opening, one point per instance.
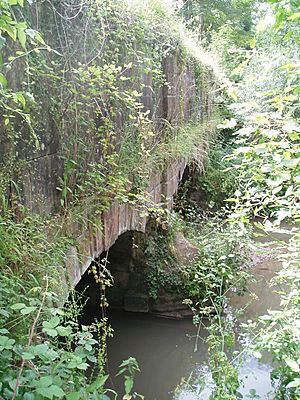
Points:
(124, 265)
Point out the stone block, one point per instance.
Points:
(111, 225)
(84, 251)
(167, 303)
(38, 181)
(72, 266)
(157, 194)
(136, 302)
(138, 221)
(124, 218)
(154, 180)
(98, 241)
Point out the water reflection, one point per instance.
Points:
(164, 348)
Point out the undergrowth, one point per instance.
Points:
(220, 256)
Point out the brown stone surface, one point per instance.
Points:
(184, 251)
(42, 169)
(121, 218)
(136, 302)
(38, 182)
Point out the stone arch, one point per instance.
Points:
(128, 290)
(119, 219)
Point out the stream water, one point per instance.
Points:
(165, 349)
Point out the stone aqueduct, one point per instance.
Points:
(121, 218)
(184, 98)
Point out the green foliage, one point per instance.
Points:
(204, 280)
(278, 331)
(10, 27)
(44, 353)
(220, 375)
(95, 96)
(218, 181)
(287, 17)
(220, 341)
(267, 156)
(269, 173)
(16, 34)
(129, 368)
(84, 93)
(222, 259)
(267, 159)
(189, 142)
(219, 13)
(25, 245)
(162, 266)
(221, 267)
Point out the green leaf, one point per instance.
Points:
(40, 349)
(77, 361)
(43, 351)
(41, 40)
(295, 16)
(57, 391)
(11, 31)
(83, 366)
(20, 98)
(52, 323)
(64, 330)
(17, 306)
(292, 364)
(294, 383)
(27, 356)
(294, 135)
(44, 381)
(252, 42)
(51, 391)
(3, 81)
(97, 384)
(49, 326)
(28, 310)
(74, 396)
(6, 343)
(12, 384)
(128, 384)
(28, 396)
(288, 66)
(22, 38)
(51, 332)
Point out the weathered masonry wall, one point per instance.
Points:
(119, 219)
(102, 64)
(40, 171)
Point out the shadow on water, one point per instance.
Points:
(164, 348)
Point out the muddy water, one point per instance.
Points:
(165, 349)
